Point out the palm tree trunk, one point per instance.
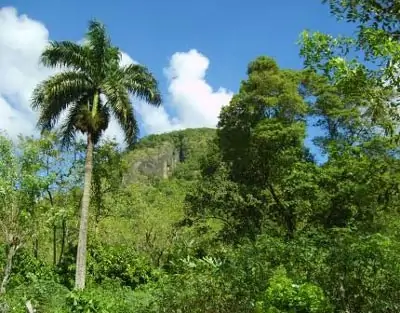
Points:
(80, 273)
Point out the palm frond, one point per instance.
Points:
(140, 82)
(100, 122)
(102, 53)
(113, 58)
(54, 95)
(92, 68)
(119, 102)
(126, 119)
(97, 36)
(80, 119)
(68, 54)
(68, 128)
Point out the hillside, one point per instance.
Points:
(161, 156)
(159, 172)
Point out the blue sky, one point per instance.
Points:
(227, 35)
(229, 32)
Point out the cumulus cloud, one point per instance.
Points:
(22, 40)
(192, 100)
(21, 43)
(190, 96)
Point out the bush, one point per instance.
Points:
(119, 263)
(106, 299)
(209, 284)
(26, 266)
(45, 295)
(283, 295)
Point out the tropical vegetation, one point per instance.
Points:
(247, 217)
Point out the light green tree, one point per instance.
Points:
(21, 187)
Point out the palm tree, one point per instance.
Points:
(92, 87)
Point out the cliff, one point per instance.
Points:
(160, 156)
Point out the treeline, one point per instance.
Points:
(253, 221)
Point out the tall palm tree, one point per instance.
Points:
(92, 87)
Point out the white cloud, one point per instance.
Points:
(155, 120)
(195, 102)
(22, 40)
(126, 59)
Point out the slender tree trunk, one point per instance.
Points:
(54, 244)
(36, 247)
(287, 214)
(14, 246)
(35, 244)
(29, 307)
(80, 274)
(63, 240)
(96, 225)
(54, 228)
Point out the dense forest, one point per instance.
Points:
(247, 217)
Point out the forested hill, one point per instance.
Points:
(161, 156)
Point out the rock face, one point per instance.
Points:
(152, 162)
(159, 156)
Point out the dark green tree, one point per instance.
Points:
(265, 173)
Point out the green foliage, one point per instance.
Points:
(86, 302)
(283, 295)
(91, 70)
(108, 170)
(120, 264)
(186, 147)
(44, 294)
(264, 171)
(92, 87)
(200, 286)
(368, 81)
(26, 267)
(241, 219)
(108, 298)
(21, 185)
(364, 272)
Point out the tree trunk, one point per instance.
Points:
(36, 246)
(14, 246)
(80, 273)
(287, 212)
(54, 244)
(63, 239)
(29, 307)
(54, 229)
